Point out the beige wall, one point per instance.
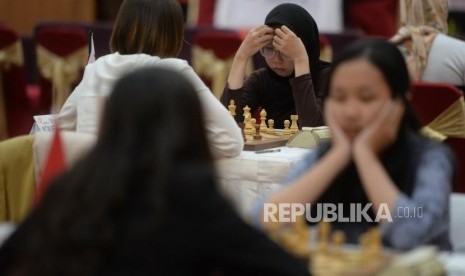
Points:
(23, 15)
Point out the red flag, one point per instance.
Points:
(55, 165)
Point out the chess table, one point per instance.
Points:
(246, 177)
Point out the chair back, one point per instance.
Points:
(189, 40)
(441, 111)
(15, 108)
(200, 12)
(430, 99)
(62, 54)
(17, 183)
(326, 50)
(212, 56)
(339, 41)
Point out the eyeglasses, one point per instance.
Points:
(269, 52)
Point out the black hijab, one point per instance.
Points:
(304, 26)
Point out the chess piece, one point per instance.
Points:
(375, 245)
(241, 126)
(232, 108)
(302, 234)
(246, 112)
(286, 130)
(339, 239)
(364, 241)
(273, 228)
(263, 127)
(294, 237)
(300, 226)
(248, 125)
(288, 240)
(324, 230)
(257, 135)
(294, 127)
(271, 127)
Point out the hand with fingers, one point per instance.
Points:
(256, 39)
(289, 44)
(339, 140)
(383, 131)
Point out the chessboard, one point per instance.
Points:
(263, 136)
(329, 255)
(267, 141)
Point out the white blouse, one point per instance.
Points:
(81, 111)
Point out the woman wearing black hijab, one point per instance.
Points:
(294, 79)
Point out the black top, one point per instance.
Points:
(281, 99)
(285, 96)
(402, 161)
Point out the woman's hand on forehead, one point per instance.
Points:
(289, 43)
(256, 39)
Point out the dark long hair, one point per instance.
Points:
(153, 27)
(152, 134)
(390, 62)
(398, 157)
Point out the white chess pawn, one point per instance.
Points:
(286, 130)
(271, 127)
(253, 122)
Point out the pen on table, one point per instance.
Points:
(268, 151)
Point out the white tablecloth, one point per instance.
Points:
(244, 14)
(250, 175)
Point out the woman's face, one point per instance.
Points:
(358, 92)
(279, 63)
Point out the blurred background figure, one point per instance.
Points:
(431, 55)
(144, 201)
(146, 32)
(377, 155)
